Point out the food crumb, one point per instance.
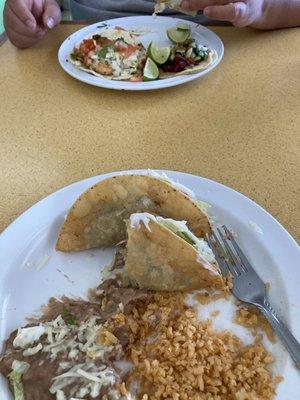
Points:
(64, 275)
(43, 261)
(122, 389)
(215, 313)
(206, 296)
(251, 318)
(29, 264)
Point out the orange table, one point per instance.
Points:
(238, 125)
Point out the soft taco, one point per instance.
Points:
(163, 254)
(189, 68)
(161, 5)
(96, 219)
(113, 53)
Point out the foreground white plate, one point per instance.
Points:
(154, 30)
(31, 270)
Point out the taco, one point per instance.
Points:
(113, 53)
(96, 219)
(163, 254)
(171, 68)
(161, 5)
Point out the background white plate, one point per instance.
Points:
(31, 270)
(155, 30)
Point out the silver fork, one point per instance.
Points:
(247, 285)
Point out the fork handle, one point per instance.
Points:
(286, 336)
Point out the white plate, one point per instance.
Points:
(27, 280)
(155, 30)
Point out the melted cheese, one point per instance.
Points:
(115, 34)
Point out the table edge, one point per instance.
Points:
(76, 22)
(3, 38)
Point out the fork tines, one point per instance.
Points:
(228, 253)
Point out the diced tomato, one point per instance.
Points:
(127, 52)
(135, 78)
(86, 46)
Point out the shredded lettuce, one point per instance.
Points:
(15, 377)
(60, 395)
(180, 229)
(185, 237)
(203, 205)
(177, 185)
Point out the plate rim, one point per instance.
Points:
(290, 372)
(152, 85)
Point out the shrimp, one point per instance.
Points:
(87, 61)
(136, 78)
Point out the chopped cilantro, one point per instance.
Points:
(102, 53)
(69, 318)
(73, 57)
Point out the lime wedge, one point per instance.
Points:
(177, 36)
(183, 27)
(151, 71)
(159, 55)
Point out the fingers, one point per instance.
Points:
(13, 22)
(237, 13)
(52, 14)
(195, 5)
(222, 13)
(37, 10)
(22, 41)
(20, 24)
(22, 10)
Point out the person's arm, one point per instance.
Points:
(27, 21)
(259, 14)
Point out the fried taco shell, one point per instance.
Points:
(162, 254)
(96, 219)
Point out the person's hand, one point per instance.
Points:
(27, 21)
(239, 13)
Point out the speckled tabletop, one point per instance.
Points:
(238, 125)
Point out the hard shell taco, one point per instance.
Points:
(97, 217)
(163, 254)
